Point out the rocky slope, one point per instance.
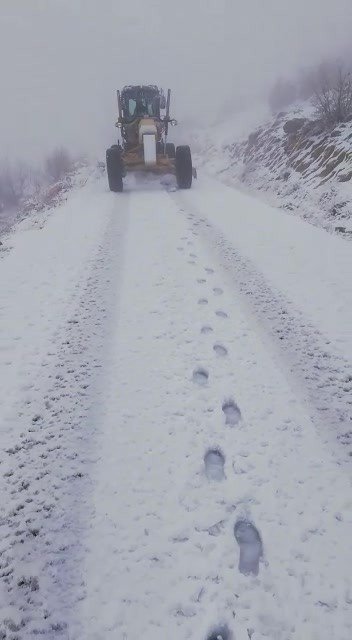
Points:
(292, 162)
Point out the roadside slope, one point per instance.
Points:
(288, 160)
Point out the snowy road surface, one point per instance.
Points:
(175, 408)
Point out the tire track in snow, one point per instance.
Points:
(323, 377)
(47, 469)
(278, 584)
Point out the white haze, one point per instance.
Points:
(62, 60)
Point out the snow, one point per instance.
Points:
(175, 405)
(307, 175)
(235, 128)
(297, 258)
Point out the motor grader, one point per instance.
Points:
(144, 142)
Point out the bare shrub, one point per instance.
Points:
(14, 181)
(36, 181)
(333, 95)
(58, 164)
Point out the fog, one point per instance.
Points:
(62, 60)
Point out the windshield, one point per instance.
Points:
(142, 105)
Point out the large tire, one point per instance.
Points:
(114, 168)
(183, 166)
(170, 150)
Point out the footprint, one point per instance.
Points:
(206, 329)
(203, 301)
(232, 412)
(217, 291)
(201, 280)
(191, 262)
(200, 376)
(220, 633)
(220, 350)
(209, 270)
(214, 465)
(221, 314)
(251, 547)
(192, 255)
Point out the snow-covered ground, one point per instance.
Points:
(175, 406)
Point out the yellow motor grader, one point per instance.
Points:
(144, 132)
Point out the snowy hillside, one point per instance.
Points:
(288, 160)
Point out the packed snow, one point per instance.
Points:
(175, 407)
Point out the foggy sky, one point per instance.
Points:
(62, 60)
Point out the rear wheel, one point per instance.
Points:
(114, 168)
(170, 150)
(183, 166)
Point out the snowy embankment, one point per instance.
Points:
(288, 160)
(176, 417)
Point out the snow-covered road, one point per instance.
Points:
(175, 410)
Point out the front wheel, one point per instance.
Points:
(183, 165)
(114, 168)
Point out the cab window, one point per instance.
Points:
(131, 106)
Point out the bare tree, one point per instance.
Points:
(58, 164)
(36, 180)
(333, 95)
(13, 184)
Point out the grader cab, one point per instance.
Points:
(144, 120)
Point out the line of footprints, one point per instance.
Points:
(245, 533)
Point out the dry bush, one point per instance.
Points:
(333, 95)
(14, 181)
(58, 164)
